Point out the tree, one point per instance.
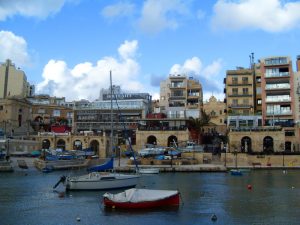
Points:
(196, 125)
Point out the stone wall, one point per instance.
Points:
(161, 137)
(245, 160)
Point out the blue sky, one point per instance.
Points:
(68, 47)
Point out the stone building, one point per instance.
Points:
(13, 82)
(216, 110)
(49, 111)
(181, 97)
(15, 116)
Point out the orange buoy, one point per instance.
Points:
(249, 187)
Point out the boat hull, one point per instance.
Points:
(149, 171)
(235, 172)
(170, 201)
(113, 182)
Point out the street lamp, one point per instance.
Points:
(283, 150)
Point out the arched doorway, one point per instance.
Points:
(77, 145)
(172, 141)
(246, 145)
(152, 140)
(268, 145)
(95, 146)
(45, 144)
(288, 146)
(61, 144)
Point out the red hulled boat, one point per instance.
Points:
(141, 199)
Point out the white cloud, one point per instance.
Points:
(121, 9)
(13, 47)
(267, 15)
(128, 49)
(30, 8)
(209, 76)
(85, 80)
(159, 15)
(190, 66)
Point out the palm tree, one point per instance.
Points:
(196, 125)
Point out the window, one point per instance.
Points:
(258, 101)
(1, 107)
(235, 101)
(56, 112)
(258, 90)
(245, 91)
(234, 80)
(245, 101)
(245, 80)
(235, 91)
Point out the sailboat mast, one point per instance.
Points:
(111, 114)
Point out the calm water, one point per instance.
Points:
(274, 199)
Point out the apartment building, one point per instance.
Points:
(277, 91)
(242, 87)
(297, 92)
(260, 98)
(181, 97)
(13, 81)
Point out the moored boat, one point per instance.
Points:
(236, 172)
(149, 170)
(142, 199)
(101, 181)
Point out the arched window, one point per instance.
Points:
(152, 140)
(268, 145)
(61, 144)
(172, 141)
(246, 145)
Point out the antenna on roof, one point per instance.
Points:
(251, 56)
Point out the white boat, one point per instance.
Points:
(100, 180)
(149, 170)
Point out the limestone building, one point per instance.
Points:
(13, 82)
(181, 97)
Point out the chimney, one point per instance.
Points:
(298, 63)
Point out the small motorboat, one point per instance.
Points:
(48, 169)
(236, 172)
(149, 170)
(135, 198)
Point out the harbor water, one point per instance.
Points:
(257, 197)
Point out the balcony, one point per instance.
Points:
(176, 97)
(278, 86)
(279, 74)
(271, 100)
(240, 106)
(280, 113)
(240, 95)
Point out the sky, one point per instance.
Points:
(67, 48)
